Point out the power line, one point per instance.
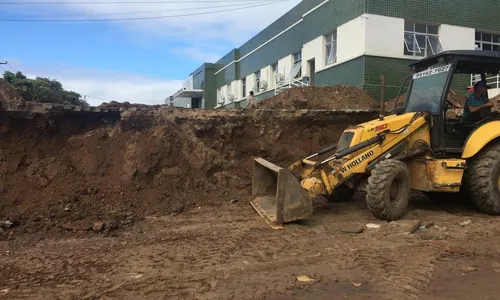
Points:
(6, 62)
(160, 11)
(124, 2)
(141, 18)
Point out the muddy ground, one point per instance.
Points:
(227, 252)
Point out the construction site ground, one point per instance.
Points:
(228, 252)
(135, 202)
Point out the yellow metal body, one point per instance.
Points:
(279, 198)
(356, 163)
(437, 175)
(480, 138)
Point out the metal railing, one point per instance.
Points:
(288, 84)
(493, 81)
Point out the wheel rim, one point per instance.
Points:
(394, 191)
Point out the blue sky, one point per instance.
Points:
(137, 61)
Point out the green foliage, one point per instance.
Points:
(42, 89)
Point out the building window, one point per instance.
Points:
(244, 87)
(331, 48)
(257, 82)
(297, 66)
(275, 68)
(421, 39)
(487, 41)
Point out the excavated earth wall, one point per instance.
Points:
(66, 169)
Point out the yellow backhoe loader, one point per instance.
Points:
(416, 147)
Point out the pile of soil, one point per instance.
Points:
(329, 97)
(65, 172)
(455, 98)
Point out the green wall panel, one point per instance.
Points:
(228, 58)
(288, 43)
(209, 90)
(483, 14)
(330, 16)
(226, 76)
(395, 71)
(279, 25)
(348, 73)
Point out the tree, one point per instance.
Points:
(42, 89)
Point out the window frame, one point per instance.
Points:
(492, 42)
(430, 39)
(297, 64)
(257, 80)
(244, 87)
(333, 44)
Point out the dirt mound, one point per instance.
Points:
(455, 98)
(66, 172)
(329, 97)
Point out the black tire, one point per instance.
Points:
(483, 180)
(388, 190)
(342, 193)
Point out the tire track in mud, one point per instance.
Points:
(404, 270)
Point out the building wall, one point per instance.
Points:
(314, 49)
(481, 14)
(457, 37)
(209, 87)
(348, 73)
(395, 71)
(302, 24)
(351, 39)
(381, 34)
(370, 41)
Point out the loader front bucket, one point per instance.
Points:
(277, 195)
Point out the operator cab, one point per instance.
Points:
(432, 81)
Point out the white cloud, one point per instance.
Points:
(200, 38)
(233, 27)
(196, 54)
(100, 86)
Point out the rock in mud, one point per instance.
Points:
(353, 228)
(98, 227)
(6, 224)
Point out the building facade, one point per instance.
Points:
(350, 42)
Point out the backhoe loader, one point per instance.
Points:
(415, 147)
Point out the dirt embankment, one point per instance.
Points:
(68, 171)
(335, 97)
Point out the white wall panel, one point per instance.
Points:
(457, 38)
(384, 36)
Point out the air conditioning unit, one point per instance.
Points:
(280, 78)
(263, 85)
